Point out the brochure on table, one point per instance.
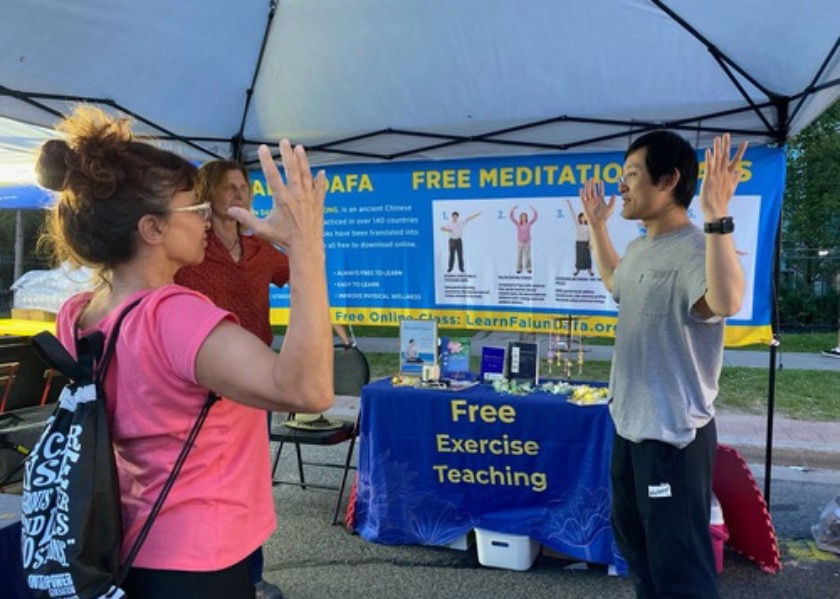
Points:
(418, 345)
(492, 364)
(455, 358)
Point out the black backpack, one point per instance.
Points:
(71, 520)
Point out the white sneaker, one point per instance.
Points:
(832, 353)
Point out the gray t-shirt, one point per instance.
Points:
(667, 360)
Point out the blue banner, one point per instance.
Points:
(491, 243)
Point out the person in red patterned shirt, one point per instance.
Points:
(237, 267)
(235, 275)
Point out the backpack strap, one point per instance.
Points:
(95, 342)
(176, 469)
(90, 363)
(55, 355)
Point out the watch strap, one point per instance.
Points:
(722, 226)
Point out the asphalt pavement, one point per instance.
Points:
(311, 559)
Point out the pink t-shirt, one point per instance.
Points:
(221, 506)
(523, 230)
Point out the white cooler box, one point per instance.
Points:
(501, 550)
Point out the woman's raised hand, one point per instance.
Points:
(297, 213)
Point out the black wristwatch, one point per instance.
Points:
(723, 226)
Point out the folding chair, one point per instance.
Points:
(8, 371)
(49, 376)
(340, 424)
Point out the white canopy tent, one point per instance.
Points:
(378, 80)
(358, 80)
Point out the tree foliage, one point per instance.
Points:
(812, 198)
(33, 221)
(811, 225)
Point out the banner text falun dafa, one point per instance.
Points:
(398, 235)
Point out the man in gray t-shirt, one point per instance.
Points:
(674, 286)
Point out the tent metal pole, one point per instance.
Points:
(238, 140)
(24, 97)
(820, 71)
(714, 50)
(771, 401)
(31, 97)
(723, 65)
(771, 383)
(18, 271)
(782, 111)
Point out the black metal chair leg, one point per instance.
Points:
(276, 460)
(351, 373)
(300, 467)
(344, 480)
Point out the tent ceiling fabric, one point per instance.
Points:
(358, 80)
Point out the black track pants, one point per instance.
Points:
(660, 515)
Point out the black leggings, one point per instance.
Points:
(231, 583)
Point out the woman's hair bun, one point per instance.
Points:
(52, 166)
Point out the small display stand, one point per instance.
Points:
(565, 345)
(523, 361)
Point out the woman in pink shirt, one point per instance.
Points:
(129, 210)
(523, 237)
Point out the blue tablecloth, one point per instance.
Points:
(434, 464)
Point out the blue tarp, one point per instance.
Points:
(24, 197)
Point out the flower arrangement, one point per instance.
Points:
(405, 381)
(512, 387)
(583, 395)
(558, 388)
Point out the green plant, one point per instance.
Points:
(800, 307)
